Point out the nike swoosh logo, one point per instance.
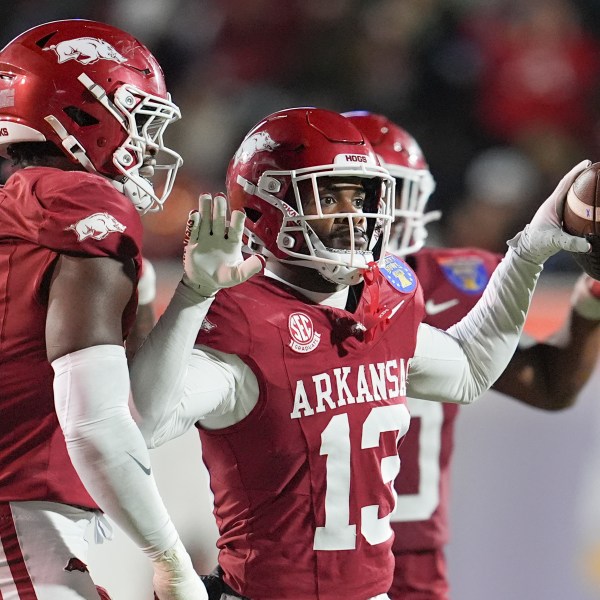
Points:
(432, 308)
(144, 468)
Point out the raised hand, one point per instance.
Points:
(544, 236)
(212, 257)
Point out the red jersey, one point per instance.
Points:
(452, 281)
(302, 485)
(45, 212)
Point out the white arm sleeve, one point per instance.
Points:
(219, 391)
(460, 364)
(105, 446)
(159, 368)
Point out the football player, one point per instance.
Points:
(544, 375)
(297, 377)
(83, 110)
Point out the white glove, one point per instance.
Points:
(212, 257)
(544, 236)
(147, 283)
(174, 576)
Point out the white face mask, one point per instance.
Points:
(335, 265)
(143, 154)
(413, 188)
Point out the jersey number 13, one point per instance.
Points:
(338, 533)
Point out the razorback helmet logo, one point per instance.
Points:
(96, 226)
(86, 50)
(258, 142)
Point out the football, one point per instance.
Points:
(581, 217)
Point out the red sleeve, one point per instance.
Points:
(84, 215)
(226, 327)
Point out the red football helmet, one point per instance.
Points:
(99, 95)
(401, 155)
(305, 144)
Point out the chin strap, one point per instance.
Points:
(69, 142)
(134, 191)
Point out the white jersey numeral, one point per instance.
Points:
(420, 506)
(338, 533)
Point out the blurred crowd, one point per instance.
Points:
(502, 95)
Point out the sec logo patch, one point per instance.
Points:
(303, 334)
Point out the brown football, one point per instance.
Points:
(581, 216)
